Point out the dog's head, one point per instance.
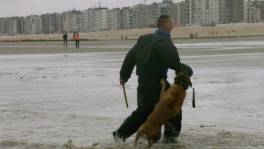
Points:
(183, 76)
(183, 80)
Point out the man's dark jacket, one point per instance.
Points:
(153, 55)
(65, 37)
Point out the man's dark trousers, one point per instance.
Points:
(148, 95)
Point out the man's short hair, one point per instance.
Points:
(163, 19)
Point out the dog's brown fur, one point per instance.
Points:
(169, 105)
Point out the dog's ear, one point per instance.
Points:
(187, 78)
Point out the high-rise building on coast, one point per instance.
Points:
(138, 16)
(210, 12)
(152, 14)
(20, 21)
(225, 11)
(204, 12)
(72, 21)
(238, 10)
(126, 18)
(11, 26)
(182, 13)
(101, 19)
(48, 23)
(58, 27)
(76, 21)
(254, 11)
(2, 25)
(89, 20)
(35, 24)
(26, 25)
(66, 21)
(259, 10)
(114, 18)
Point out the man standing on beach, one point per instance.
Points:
(65, 39)
(152, 55)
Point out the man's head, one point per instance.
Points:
(165, 23)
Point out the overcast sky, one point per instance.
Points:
(27, 7)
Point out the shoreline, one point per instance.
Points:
(56, 47)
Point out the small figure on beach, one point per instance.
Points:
(65, 39)
(76, 38)
(191, 35)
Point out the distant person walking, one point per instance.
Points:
(65, 39)
(76, 38)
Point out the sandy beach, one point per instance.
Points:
(50, 94)
(227, 31)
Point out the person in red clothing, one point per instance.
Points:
(76, 38)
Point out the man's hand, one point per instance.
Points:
(122, 82)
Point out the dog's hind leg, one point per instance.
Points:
(150, 143)
(137, 138)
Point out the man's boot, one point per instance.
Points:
(118, 138)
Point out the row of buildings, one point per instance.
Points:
(188, 12)
(211, 12)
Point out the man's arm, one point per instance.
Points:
(169, 55)
(128, 65)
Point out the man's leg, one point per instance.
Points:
(172, 128)
(147, 98)
(132, 123)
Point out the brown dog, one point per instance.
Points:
(169, 105)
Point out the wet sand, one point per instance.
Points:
(50, 95)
